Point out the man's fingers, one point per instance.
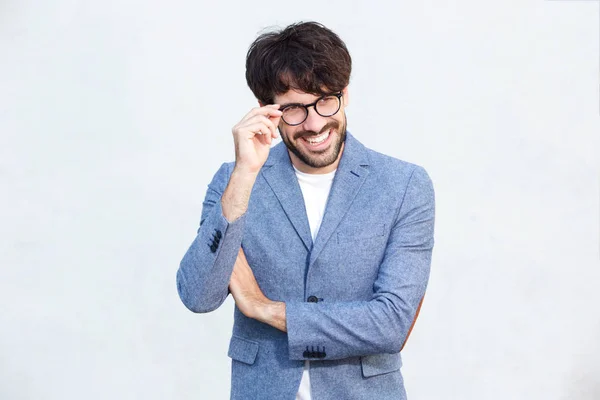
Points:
(268, 110)
(267, 121)
(275, 122)
(241, 266)
(261, 132)
(259, 128)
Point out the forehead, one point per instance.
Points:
(295, 96)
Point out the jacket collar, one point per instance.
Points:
(349, 177)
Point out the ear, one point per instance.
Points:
(260, 104)
(346, 96)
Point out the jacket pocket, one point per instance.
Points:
(243, 350)
(378, 364)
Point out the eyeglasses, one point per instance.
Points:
(325, 106)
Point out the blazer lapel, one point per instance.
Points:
(351, 174)
(280, 175)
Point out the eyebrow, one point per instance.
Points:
(289, 104)
(301, 104)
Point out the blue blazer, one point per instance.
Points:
(351, 296)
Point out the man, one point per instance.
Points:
(324, 244)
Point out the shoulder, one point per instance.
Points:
(400, 179)
(392, 170)
(391, 165)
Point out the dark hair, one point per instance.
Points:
(305, 56)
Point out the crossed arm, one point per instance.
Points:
(250, 299)
(380, 325)
(254, 304)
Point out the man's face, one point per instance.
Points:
(317, 143)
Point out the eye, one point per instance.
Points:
(328, 99)
(292, 109)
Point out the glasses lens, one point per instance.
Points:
(328, 106)
(294, 115)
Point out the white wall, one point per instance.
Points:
(114, 116)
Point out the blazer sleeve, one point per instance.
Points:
(381, 325)
(205, 270)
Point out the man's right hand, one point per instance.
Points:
(252, 137)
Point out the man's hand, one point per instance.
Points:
(244, 288)
(250, 299)
(252, 137)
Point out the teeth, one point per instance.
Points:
(318, 139)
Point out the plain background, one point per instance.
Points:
(114, 116)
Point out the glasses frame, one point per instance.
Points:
(305, 106)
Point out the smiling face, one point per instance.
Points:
(316, 145)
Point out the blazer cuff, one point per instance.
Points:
(301, 344)
(232, 232)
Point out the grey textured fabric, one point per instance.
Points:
(368, 270)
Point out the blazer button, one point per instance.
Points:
(213, 248)
(313, 299)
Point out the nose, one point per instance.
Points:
(313, 122)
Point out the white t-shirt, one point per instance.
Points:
(315, 190)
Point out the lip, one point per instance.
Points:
(321, 146)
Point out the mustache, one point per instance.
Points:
(328, 126)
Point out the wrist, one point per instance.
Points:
(272, 313)
(244, 172)
(234, 201)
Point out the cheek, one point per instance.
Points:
(340, 121)
(286, 131)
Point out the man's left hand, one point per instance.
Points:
(244, 288)
(250, 299)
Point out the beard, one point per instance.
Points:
(324, 157)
